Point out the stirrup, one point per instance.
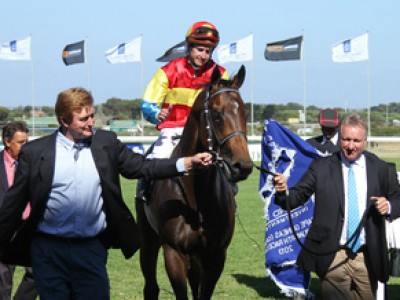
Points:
(141, 196)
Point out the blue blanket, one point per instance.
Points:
(285, 152)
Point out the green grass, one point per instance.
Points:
(244, 276)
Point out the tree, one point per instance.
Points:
(268, 112)
(48, 110)
(122, 109)
(4, 112)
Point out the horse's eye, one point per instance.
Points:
(216, 116)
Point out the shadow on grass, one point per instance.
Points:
(266, 288)
(393, 290)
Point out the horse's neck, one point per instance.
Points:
(218, 191)
(188, 143)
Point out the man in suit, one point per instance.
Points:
(72, 180)
(14, 135)
(328, 142)
(346, 271)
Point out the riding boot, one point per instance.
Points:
(142, 190)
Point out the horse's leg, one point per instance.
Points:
(195, 273)
(213, 266)
(149, 248)
(176, 265)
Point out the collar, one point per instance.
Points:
(68, 144)
(359, 162)
(8, 159)
(64, 141)
(334, 139)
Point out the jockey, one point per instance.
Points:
(170, 94)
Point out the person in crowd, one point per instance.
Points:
(348, 261)
(170, 94)
(72, 180)
(328, 142)
(14, 135)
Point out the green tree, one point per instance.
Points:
(48, 110)
(4, 112)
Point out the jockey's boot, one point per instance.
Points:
(142, 191)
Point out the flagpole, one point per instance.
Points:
(32, 88)
(87, 61)
(369, 92)
(304, 83)
(252, 91)
(141, 80)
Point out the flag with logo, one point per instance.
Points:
(285, 152)
(16, 50)
(237, 51)
(125, 52)
(175, 51)
(289, 49)
(351, 50)
(74, 53)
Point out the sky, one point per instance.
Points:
(314, 80)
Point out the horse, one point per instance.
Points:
(192, 217)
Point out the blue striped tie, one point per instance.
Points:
(353, 216)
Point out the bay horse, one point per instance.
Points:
(192, 217)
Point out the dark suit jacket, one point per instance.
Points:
(34, 178)
(316, 142)
(3, 178)
(324, 178)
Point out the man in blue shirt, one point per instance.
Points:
(71, 179)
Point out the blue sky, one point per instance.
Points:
(315, 80)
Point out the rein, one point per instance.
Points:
(352, 239)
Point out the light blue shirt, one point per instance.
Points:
(74, 208)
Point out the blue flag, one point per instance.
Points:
(285, 152)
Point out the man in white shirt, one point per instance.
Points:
(346, 272)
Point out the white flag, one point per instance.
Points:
(351, 50)
(16, 50)
(125, 52)
(241, 50)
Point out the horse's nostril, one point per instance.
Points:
(243, 168)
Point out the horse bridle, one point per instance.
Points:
(210, 129)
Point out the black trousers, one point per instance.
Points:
(68, 268)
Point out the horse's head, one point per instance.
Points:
(223, 130)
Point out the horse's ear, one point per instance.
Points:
(215, 78)
(239, 77)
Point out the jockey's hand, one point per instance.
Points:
(198, 161)
(164, 113)
(280, 183)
